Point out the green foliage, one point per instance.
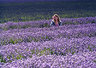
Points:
(5, 28)
(16, 51)
(63, 54)
(35, 39)
(13, 57)
(52, 52)
(67, 22)
(19, 56)
(2, 59)
(10, 61)
(73, 52)
(13, 26)
(19, 40)
(37, 51)
(30, 56)
(94, 61)
(89, 48)
(33, 51)
(44, 38)
(12, 41)
(46, 25)
(93, 21)
(48, 38)
(42, 52)
(25, 26)
(3, 42)
(8, 57)
(45, 51)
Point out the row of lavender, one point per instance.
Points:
(83, 60)
(46, 34)
(48, 29)
(59, 47)
(45, 23)
(34, 30)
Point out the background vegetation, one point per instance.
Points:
(44, 10)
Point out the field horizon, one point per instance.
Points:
(29, 11)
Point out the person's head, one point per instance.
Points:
(55, 18)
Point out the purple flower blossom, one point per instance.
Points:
(72, 46)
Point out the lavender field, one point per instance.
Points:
(35, 44)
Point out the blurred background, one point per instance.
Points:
(31, 10)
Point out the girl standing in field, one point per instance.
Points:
(55, 20)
